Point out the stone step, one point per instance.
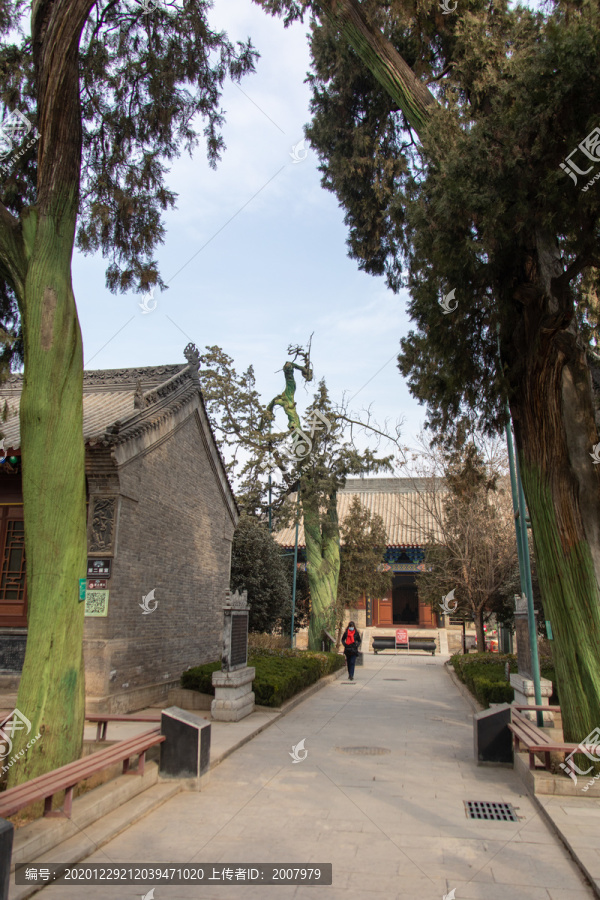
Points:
(71, 842)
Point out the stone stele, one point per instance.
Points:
(234, 697)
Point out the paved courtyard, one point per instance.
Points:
(380, 795)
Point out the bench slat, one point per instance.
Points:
(537, 741)
(122, 718)
(530, 730)
(102, 722)
(99, 756)
(534, 708)
(66, 777)
(34, 790)
(111, 754)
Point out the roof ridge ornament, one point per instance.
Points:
(139, 401)
(192, 355)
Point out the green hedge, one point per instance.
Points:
(200, 678)
(483, 674)
(279, 673)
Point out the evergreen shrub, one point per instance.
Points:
(280, 674)
(200, 678)
(483, 674)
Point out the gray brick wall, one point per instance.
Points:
(174, 536)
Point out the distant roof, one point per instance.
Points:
(390, 485)
(404, 504)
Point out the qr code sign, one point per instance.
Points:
(96, 603)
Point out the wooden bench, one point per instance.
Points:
(64, 779)
(388, 642)
(538, 741)
(102, 722)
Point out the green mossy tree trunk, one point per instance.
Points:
(555, 430)
(552, 412)
(51, 691)
(322, 537)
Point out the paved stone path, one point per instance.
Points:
(390, 819)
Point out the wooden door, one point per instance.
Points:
(13, 588)
(427, 615)
(385, 612)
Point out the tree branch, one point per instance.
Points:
(13, 265)
(383, 60)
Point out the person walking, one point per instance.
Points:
(351, 640)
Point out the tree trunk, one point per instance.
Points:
(323, 558)
(552, 410)
(51, 691)
(479, 631)
(383, 61)
(553, 416)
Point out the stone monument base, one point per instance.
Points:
(234, 697)
(525, 696)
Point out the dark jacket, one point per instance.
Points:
(352, 650)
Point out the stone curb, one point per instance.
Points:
(545, 816)
(549, 821)
(280, 712)
(464, 690)
(74, 842)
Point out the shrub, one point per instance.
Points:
(279, 673)
(480, 671)
(488, 691)
(200, 678)
(484, 675)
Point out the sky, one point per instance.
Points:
(255, 253)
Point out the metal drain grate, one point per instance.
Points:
(394, 679)
(364, 751)
(495, 812)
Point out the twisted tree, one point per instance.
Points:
(312, 458)
(466, 193)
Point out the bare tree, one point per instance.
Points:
(463, 516)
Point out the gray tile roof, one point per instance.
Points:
(407, 506)
(108, 397)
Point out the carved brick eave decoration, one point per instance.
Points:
(13, 384)
(102, 527)
(236, 600)
(159, 403)
(98, 380)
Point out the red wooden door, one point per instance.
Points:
(427, 616)
(386, 616)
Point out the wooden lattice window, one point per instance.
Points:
(13, 589)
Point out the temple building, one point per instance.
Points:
(405, 505)
(161, 517)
